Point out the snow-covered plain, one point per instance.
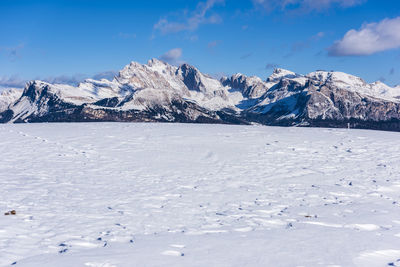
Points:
(119, 194)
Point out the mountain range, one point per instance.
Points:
(160, 92)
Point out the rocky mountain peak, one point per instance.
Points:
(139, 76)
(251, 87)
(192, 77)
(35, 89)
(154, 61)
(280, 73)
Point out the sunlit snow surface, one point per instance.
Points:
(114, 194)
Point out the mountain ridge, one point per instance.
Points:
(158, 91)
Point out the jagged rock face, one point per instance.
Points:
(283, 104)
(191, 78)
(153, 75)
(251, 87)
(324, 104)
(35, 91)
(332, 103)
(198, 82)
(157, 91)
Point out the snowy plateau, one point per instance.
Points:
(151, 194)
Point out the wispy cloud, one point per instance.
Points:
(193, 38)
(77, 78)
(12, 53)
(305, 5)
(213, 44)
(318, 36)
(193, 21)
(109, 75)
(246, 55)
(369, 39)
(271, 66)
(302, 45)
(382, 79)
(218, 75)
(65, 79)
(15, 81)
(172, 56)
(125, 35)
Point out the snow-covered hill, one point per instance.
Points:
(117, 194)
(157, 91)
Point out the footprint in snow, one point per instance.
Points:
(172, 253)
(177, 246)
(99, 264)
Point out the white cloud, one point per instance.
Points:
(370, 39)
(307, 5)
(191, 23)
(12, 82)
(109, 75)
(65, 79)
(173, 56)
(15, 81)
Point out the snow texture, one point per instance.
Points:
(119, 194)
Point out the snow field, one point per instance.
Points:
(119, 194)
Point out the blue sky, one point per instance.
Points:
(70, 40)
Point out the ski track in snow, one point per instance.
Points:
(119, 194)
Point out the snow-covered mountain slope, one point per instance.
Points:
(157, 91)
(320, 103)
(7, 97)
(356, 84)
(118, 194)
